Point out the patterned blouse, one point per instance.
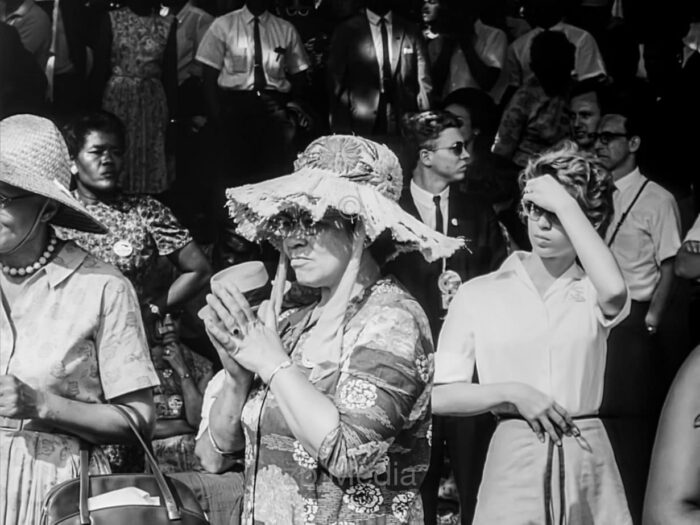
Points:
(531, 123)
(372, 465)
(140, 229)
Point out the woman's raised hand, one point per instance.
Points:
(543, 414)
(547, 193)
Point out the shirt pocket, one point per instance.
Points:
(237, 59)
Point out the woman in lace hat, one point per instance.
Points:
(71, 337)
(329, 402)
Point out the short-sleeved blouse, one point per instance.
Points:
(140, 229)
(556, 343)
(373, 463)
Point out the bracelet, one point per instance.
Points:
(281, 366)
(216, 447)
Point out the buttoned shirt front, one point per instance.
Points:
(426, 206)
(34, 28)
(229, 46)
(490, 44)
(555, 343)
(192, 24)
(376, 30)
(649, 235)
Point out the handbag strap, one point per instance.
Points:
(627, 211)
(170, 504)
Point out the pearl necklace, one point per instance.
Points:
(30, 269)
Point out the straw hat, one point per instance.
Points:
(34, 157)
(351, 175)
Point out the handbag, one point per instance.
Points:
(168, 500)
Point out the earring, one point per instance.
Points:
(74, 169)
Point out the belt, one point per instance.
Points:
(17, 425)
(550, 515)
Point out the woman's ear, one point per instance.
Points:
(49, 212)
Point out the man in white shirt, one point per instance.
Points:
(586, 102)
(371, 85)
(548, 15)
(253, 63)
(644, 236)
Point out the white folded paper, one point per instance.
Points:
(122, 497)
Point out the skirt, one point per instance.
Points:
(516, 488)
(31, 464)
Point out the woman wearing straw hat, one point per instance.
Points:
(71, 337)
(330, 402)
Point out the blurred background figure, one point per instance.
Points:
(377, 70)
(32, 24)
(587, 104)
(135, 77)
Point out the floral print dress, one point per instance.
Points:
(372, 465)
(136, 95)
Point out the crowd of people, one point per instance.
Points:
(481, 221)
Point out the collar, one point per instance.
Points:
(248, 17)
(633, 178)
(425, 198)
(183, 12)
(22, 10)
(692, 39)
(514, 264)
(68, 259)
(374, 18)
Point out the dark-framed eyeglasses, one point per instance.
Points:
(5, 201)
(457, 148)
(534, 212)
(606, 137)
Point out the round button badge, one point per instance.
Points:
(123, 248)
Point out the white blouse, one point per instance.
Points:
(556, 343)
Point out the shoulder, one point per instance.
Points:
(660, 193)
(226, 21)
(201, 14)
(89, 267)
(389, 300)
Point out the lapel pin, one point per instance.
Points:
(453, 222)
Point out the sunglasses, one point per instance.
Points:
(288, 224)
(5, 201)
(534, 212)
(457, 148)
(606, 137)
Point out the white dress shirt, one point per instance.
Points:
(556, 343)
(229, 46)
(589, 60)
(649, 235)
(490, 44)
(426, 206)
(192, 25)
(376, 30)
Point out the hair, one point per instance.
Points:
(593, 85)
(552, 58)
(422, 129)
(77, 130)
(582, 176)
(483, 114)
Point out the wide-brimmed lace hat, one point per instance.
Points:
(350, 175)
(34, 157)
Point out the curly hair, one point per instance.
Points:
(76, 131)
(422, 129)
(582, 176)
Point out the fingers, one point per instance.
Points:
(692, 246)
(561, 424)
(230, 307)
(537, 429)
(550, 429)
(223, 341)
(266, 314)
(575, 431)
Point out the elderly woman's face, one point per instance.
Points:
(17, 216)
(99, 162)
(430, 10)
(319, 258)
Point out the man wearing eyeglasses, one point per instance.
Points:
(644, 236)
(442, 147)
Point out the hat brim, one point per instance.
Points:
(71, 213)
(318, 191)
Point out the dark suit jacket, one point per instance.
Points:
(22, 82)
(468, 217)
(354, 77)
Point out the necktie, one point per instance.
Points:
(438, 214)
(386, 61)
(259, 81)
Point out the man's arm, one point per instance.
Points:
(659, 299)
(687, 261)
(425, 82)
(485, 75)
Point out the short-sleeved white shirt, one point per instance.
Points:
(589, 60)
(212, 390)
(556, 343)
(229, 46)
(649, 235)
(490, 44)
